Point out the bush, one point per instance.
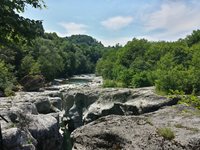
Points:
(175, 78)
(9, 92)
(166, 133)
(6, 80)
(190, 100)
(112, 83)
(141, 80)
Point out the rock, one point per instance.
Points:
(142, 132)
(86, 105)
(55, 94)
(16, 139)
(58, 81)
(52, 88)
(43, 106)
(56, 102)
(45, 129)
(75, 103)
(25, 114)
(32, 82)
(14, 114)
(28, 108)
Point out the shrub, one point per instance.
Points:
(175, 78)
(166, 133)
(9, 92)
(6, 80)
(112, 83)
(190, 100)
(141, 80)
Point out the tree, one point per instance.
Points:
(193, 38)
(14, 27)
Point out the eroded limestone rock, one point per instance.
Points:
(141, 132)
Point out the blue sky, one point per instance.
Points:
(118, 21)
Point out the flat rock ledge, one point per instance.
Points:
(181, 126)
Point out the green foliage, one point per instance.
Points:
(29, 67)
(58, 57)
(9, 91)
(141, 80)
(7, 80)
(176, 78)
(190, 100)
(167, 65)
(193, 38)
(111, 83)
(13, 27)
(166, 133)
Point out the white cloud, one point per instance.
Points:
(174, 19)
(72, 28)
(114, 41)
(118, 22)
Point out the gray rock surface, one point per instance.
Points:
(142, 132)
(43, 106)
(45, 129)
(86, 105)
(16, 139)
(36, 116)
(28, 128)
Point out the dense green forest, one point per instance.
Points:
(169, 66)
(49, 57)
(29, 56)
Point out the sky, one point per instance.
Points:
(119, 21)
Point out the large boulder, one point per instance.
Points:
(174, 128)
(32, 82)
(45, 129)
(17, 139)
(75, 104)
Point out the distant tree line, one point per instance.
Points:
(167, 65)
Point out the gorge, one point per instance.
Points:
(97, 118)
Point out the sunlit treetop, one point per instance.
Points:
(14, 27)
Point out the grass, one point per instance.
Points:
(187, 128)
(161, 93)
(191, 112)
(166, 133)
